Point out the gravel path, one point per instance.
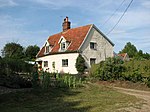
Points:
(145, 95)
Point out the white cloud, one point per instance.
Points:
(7, 3)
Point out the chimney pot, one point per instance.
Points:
(66, 19)
(66, 24)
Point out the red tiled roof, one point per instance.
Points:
(122, 54)
(75, 36)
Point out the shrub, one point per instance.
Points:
(35, 78)
(15, 73)
(80, 64)
(111, 69)
(9, 66)
(148, 82)
(46, 80)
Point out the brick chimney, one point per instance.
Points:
(66, 24)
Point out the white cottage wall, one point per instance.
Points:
(57, 59)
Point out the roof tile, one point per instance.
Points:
(75, 35)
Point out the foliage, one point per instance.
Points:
(48, 80)
(143, 67)
(148, 81)
(134, 53)
(80, 64)
(111, 69)
(130, 49)
(146, 56)
(35, 78)
(13, 50)
(114, 69)
(15, 81)
(16, 51)
(15, 73)
(9, 66)
(31, 51)
(69, 81)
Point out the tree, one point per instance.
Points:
(130, 49)
(13, 50)
(31, 51)
(80, 64)
(146, 56)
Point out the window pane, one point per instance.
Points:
(65, 62)
(92, 61)
(92, 45)
(45, 63)
(47, 49)
(62, 46)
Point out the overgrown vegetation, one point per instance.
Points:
(47, 80)
(15, 73)
(111, 69)
(15, 70)
(115, 69)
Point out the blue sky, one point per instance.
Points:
(30, 22)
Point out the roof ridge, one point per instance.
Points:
(70, 29)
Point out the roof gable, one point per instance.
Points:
(75, 36)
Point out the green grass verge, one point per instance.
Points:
(91, 98)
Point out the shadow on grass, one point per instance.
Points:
(53, 100)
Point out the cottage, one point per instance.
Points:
(124, 56)
(61, 50)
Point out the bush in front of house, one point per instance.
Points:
(80, 64)
(111, 69)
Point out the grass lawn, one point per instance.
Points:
(91, 98)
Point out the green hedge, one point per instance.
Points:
(15, 73)
(9, 66)
(115, 69)
(143, 67)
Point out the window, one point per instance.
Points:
(47, 49)
(65, 62)
(63, 46)
(93, 45)
(92, 61)
(45, 63)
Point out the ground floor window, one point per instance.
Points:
(45, 63)
(65, 62)
(92, 61)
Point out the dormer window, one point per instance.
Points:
(63, 46)
(47, 49)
